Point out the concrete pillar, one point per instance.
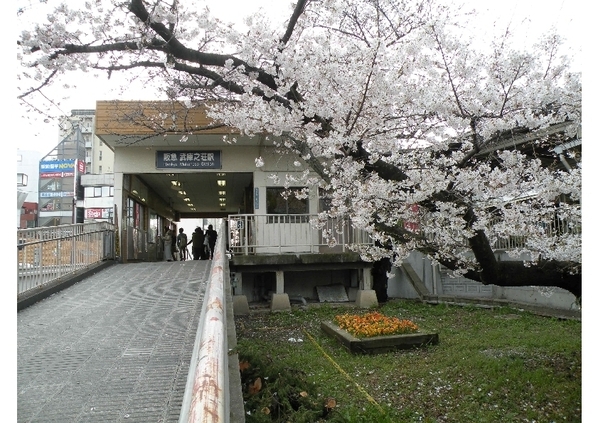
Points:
(236, 281)
(366, 278)
(279, 282)
(240, 305)
(280, 302)
(366, 296)
(119, 201)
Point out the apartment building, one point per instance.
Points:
(63, 172)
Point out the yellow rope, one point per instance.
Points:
(339, 368)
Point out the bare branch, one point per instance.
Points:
(297, 12)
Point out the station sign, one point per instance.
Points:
(189, 159)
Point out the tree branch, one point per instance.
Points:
(178, 50)
(298, 11)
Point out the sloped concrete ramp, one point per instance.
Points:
(115, 347)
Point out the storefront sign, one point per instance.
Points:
(54, 194)
(56, 165)
(98, 213)
(188, 160)
(49, 175)
(81, 167)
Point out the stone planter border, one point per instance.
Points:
(378, 344)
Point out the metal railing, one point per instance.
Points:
(47, 253)
(291, 233)
(300, 233)
(548, 229)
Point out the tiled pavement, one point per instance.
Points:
(114, 347)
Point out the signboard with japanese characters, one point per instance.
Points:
(55, 194)
(81, 167)
(189, 159)
(57, 177)
(50, 175)
(54, 166)
(98, 213)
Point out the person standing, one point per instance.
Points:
(173, 249)
(181, 243)
(211, 235)
(197, 240)
(167, 238)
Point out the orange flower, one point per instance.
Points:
(374, 324)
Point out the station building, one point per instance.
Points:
(173, 163)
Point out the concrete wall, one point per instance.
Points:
(400, 286)
(537, 295)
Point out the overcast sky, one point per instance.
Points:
(35, 134)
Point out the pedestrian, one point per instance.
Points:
(173, 245)
(197, 239)
(167, 238)
(181, 243)
(211, 236)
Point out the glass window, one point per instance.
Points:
(276, 203)
(130, 212)
(152, 231)
(97, 191)
(105, 191)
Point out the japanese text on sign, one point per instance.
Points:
(188, 159)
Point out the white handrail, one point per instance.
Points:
(207, 397)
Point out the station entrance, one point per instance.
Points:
(156, 202)
(202, 194)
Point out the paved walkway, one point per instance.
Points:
(115, 347)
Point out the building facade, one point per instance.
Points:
(27, 187)
(78, 153)
(99, 158)
(98, 197)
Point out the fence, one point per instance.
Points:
(547, 229)
(48, 253)
(291, 233)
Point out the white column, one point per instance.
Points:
(279, 282)
(366, 278)
(238, 288)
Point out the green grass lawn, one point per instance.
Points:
(491, 365)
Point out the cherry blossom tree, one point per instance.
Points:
(419, 134)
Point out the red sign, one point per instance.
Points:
(413, 226)
(93, 213)
(81, 166)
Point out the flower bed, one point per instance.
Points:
(374, 324)
(375, 333)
